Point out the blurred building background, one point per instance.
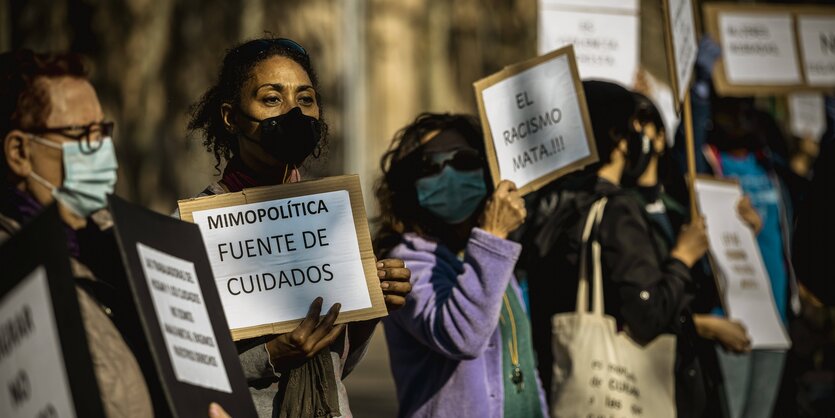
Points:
(380, 63)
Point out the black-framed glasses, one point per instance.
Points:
(89, 136)
(257, 47)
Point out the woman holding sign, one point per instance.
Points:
(462, 345)
(264, 118)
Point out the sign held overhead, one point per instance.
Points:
(536, 124)
(604, 33)
(772, 49)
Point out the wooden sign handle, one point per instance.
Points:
(691, 155)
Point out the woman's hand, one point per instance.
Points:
(692, 242)
(310, 337)
(394, 280)
(216, 411)
(505, 211)
(731, 334)
(749, 214)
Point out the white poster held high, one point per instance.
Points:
(682, 43)
(817, 41)
(536, 124)
(807, 115)
(759, 48)
(605, 35)
(745, 287)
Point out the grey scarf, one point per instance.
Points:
(309, 390)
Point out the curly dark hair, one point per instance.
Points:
(395, 189)
(234, 72)
(24, 102)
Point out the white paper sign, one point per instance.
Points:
(817, 40)
(272, 259)
(605, 36)
(183, 319)
(758, 49)
(535, 122)
(746, 289)
(684, 42)
(33, 377)
(807, 115)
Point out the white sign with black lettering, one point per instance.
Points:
(183, 319)
(759, 49)
(272, 259)
(33, 376)
(817, 41)
(746, 289)
(807, 115)
(683, 28)
(605, 35)
(535, 121)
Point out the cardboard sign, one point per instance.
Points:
(682, 44)
(172, 285)
(772, 49)
(745, 287)
(536, 124)
(817, 43)
(807, 115)
(604, 33)
(45, 365)
(273, 250)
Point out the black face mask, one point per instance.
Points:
(640, 151)
(290, 137)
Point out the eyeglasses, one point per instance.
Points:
(252, 49)
(89, 136)
(462, 159)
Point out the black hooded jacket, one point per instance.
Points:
(646, 291)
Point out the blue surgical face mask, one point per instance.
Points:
(89, 175)
(452, 195)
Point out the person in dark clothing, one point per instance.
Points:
(814, 231)
(667, 215)
(647, 290)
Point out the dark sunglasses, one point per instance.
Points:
(89, 136)
(462, 159)
(253, 49)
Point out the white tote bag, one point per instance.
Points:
(598, 371)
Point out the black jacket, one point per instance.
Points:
(645, 290)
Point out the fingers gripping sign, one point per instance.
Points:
(505, 211)
(305, 341)
(394, 280)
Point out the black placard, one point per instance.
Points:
(42, 245)
(137, 227)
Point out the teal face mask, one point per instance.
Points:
(89, 176)
(452, 195)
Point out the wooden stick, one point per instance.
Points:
(691, 155)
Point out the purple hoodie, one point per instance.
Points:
(445, 344)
